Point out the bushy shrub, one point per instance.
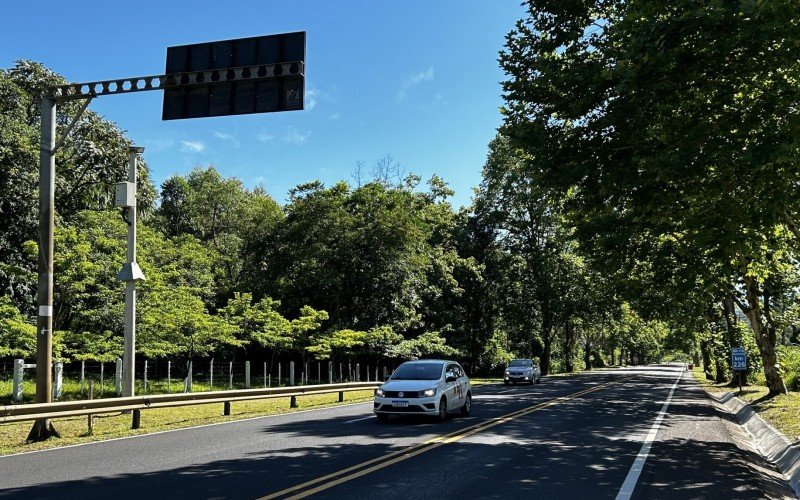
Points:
(789, 362)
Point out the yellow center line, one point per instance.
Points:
(414, 450)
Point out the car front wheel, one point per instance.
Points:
(467, 405)
(442, 409)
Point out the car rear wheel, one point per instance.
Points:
(382, 417)
(539, 380)
(467, 405)
(442, 409)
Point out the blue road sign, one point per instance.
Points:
(738, 359)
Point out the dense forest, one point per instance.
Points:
(640, 202)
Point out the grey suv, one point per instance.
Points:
(522, 370)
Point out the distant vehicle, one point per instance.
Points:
(425, 387)
(522, 370)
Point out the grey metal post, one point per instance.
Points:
(118, 377)
(130, 274)
(230, 375)
(169, 377)
(349, 371)
(90, 418)
(358, 373)
(59, 380)
(246, 374)
(330, 372)
(83, 374)
(211, 375)
(145, 377)
(291, 372)
(368, 373)
(341, 379)
(19, 370)
(279, 374)
(44, 321)
(376, 374)
(265, 375)
(385, 373)
(102, 377)
(319, 372)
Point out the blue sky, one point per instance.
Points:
(417, 80)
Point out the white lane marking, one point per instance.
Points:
(636, 469)
(359, 419)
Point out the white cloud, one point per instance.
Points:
(294, 136)
(265, 136)
(227, 137)
(192, 146)
(412, 80)
(312, 96)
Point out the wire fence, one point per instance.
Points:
(161, 376)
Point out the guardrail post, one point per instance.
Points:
(83, 372)
(246, 374)
(169, 377)
(136, 421)
(293, 402)
(58, 386)
(291, 372)
(341, 396)
(358, 373)
(90, 418)
(118, 377)
(16, 388)
(226, 408)
(144, 379)
(230, 375)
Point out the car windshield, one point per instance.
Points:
(521, 362)
(418, 371)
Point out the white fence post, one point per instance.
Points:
(16, 389)
(265, 375)
(230, 375)
(118, 377)
(291, 372)
(279, 373)
(358, 373)
(169, 377)
(58, 386)
(341, 379)
(246, 374)
(102, 377)
(330, 372)
(145, 376)
(368, 373)
(83, 373)
(211, 375)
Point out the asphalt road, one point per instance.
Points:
(569, 437)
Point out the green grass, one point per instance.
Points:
(114, 425)
(782, 411)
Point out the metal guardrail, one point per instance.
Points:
(35, 411)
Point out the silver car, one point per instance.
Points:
(522, 370)
(426, 387)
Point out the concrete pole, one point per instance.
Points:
(129, 349)
(118, 377)
(291, 372)
(44, 322)
(246, 374)
(16, 391)
(169, 377)
(59, 380)
(83, 375)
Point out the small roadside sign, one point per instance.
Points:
(738, 359)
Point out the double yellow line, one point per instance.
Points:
(364, 468)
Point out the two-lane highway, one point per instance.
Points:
(569, 437)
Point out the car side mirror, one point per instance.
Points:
(450, 378)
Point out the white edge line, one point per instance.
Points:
(101, 441)
(632, 478)
(359, 419)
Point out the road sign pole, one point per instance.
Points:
(129, 352)
(42, 429)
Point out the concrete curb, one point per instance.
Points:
(769, 441)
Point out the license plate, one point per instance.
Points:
(399, 404)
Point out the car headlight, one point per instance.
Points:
(427, 393)
(379, 392)
(507, 372)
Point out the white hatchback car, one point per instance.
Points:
(425, 387)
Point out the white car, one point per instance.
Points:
(425, 387)
(522, 370)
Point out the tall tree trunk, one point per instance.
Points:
(569, 346)
(706, 356)
(719, 367)
(765, 337)
(587, 355)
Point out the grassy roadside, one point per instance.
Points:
(114, 425)
(782, 411)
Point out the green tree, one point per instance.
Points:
(17, 335)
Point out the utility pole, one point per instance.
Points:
(42, 429)
(130, 273)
